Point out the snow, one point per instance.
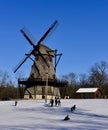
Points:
(86, 90)
(90, 114)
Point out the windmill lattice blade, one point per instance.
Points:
(22, 61)
(47, 32)
(28, 36)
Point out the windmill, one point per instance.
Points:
(42, 78)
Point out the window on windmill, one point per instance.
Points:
(32, 75)
(50, 58)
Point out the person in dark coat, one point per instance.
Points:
(55, 101)
(73, 108)
(51, 102)
(58, 102)
(16, 102)
(67, 117)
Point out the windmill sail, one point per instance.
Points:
(30, 39)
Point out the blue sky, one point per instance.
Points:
(81, 35)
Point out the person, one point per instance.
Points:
(67, 117)
(51, 102)
(73, 108)
(58, 102)
(55, 101)
(16, 102)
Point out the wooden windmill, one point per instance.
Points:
(42, 80)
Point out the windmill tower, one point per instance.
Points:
(42, 82)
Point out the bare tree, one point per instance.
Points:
(83, 78)
(4, 79)
(20, 89)
(64, 78)
(7, 88)
(98, 76)
(72, 79)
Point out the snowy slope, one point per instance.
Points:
(90, 114)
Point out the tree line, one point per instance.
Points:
(7, 87)
(96, 77)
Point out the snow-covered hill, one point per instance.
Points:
(90, 114)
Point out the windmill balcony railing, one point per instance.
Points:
(23, 80)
